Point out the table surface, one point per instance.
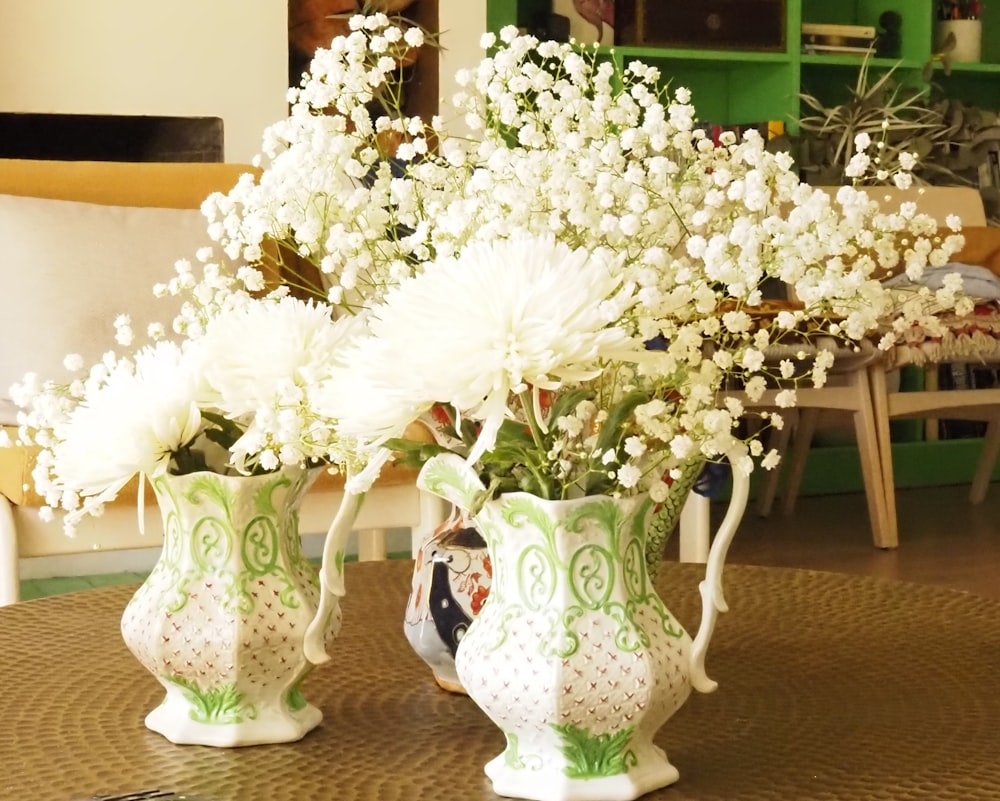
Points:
(830, 687)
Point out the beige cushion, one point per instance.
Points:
(982, 247)
(937, 201)
(68, 269)
(163, 185)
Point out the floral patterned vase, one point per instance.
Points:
(574, 656)
(221, 618)
(451, 579)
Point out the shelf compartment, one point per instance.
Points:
(960, 67)
(854, 61)
(718, 87)
(634, 53)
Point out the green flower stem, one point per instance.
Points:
(529, 413)
(540, 475)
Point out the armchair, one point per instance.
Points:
(84, 241)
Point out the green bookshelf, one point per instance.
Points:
(734, 87)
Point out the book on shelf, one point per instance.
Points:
(958, 375)
(823, 38)
(829, 29)
(818, 48)
(768, 129)
(985, 174)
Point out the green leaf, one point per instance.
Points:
(566, 403)
(226, 431)
(412, 453)
(611, 430)
(469, 432)
(611, 436)
(220, 704)
(597, 756)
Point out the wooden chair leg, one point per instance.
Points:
(805, 428)
(875, 449)
(10, 584)
(778, 439)
(433, 512)
(987, 461)
(695, 529)
(372, 544)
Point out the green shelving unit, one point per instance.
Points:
(734, 87)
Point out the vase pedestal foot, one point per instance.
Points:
(452, 685)
(651, 771)
(173, 721)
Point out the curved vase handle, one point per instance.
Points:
(449, 476)
(712, 599)
(331, 576)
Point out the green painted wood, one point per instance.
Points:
(42, 588)
(725, 92)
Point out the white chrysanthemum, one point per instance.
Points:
(469, 331)
(262, 364)
(144, 411)
(252, 352)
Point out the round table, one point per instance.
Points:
(830, 687)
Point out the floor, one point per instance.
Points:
(943, 540)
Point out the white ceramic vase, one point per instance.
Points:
(574, 656)
(220, 620)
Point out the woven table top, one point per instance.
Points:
(830, 687)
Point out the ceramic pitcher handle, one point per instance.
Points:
(712, 599)
(331, 576)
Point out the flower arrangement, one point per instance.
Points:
(589, 273)
(562, 294)
(233, 398)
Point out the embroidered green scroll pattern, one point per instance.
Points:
(588, 574)
(210, 540)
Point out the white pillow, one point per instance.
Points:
(68, 269)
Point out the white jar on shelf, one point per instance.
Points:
(968, 39)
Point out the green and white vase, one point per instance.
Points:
(221, 619)
(574, 656)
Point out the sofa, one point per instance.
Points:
(84, 241)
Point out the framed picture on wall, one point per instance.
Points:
(589, 20)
